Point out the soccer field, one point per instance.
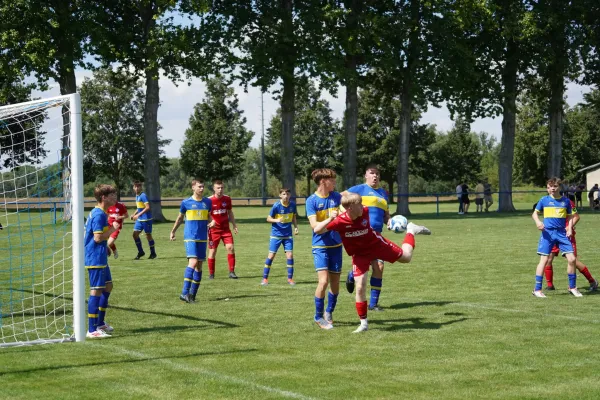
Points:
(459, 323)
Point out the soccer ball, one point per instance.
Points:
(398, 223)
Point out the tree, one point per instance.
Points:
(557, 39)
(142, 36)
(112, 105)
(216, 140)
(272, 44)
(21, 137)
(314, 130)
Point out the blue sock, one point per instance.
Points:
(331, 302)
(151, 244)
(196, 279)
(102, 306)
(538, 282)
(93, 313)
(572, 281)
(267, 268)
(188, 275)
(290, 268)
(375, 291)
(138, 243)
(319, 307)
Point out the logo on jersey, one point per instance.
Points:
(356, 233)
(364, 222)
(224, 204)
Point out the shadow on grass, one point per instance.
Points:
(103, 362)
(220, 324)
(402, 306)
(245, 296)
(412, 323)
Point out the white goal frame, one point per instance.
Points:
(77, 217)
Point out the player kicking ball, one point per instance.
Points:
(363, 244)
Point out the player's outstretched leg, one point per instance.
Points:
(417, 229)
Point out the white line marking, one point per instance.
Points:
(212, 374)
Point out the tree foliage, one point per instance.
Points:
(112, 106)
(216, 140)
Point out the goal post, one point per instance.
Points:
(42, 281)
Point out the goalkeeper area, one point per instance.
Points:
(37, 209)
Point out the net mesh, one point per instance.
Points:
(36, 302)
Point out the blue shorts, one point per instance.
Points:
(195, 250)
(328, 259)
(275, 242)
(99, 277)
(551, 237)
(145, 226)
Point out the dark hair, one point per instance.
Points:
(137, 183)
(553, 181)
(322, 173)
(286, 190)
(371, 166)
(103, 190)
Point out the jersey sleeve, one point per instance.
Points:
(334, 225)
(310, 207)
(123, 208)
(540, 206)
(209, 204)
(228, 203)
(182, 208)
(354, 189)
(99, 222)
(272, 212)
(144, 198)
(569, 208)
(293, 208)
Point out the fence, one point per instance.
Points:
(437, 204)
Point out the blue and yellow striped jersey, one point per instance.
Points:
(321, 207)
(196, 219)
(555, 211)
(140, 203)
(287, 212)
(377, 202)
(95, 253)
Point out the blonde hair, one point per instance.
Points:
(351, 198)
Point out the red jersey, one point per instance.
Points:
(220, 206)
(118, 210)
(358, 237)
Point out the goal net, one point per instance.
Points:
(41, 212)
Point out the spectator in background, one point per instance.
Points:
(580, 189)
(465, 198)
(479, 196)
(487, 196)
(593, 190)
(459, 196)
(571, 192)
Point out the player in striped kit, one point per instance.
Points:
(143, 221)
(196, 211)
(282, 217)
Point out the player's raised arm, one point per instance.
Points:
(321, 227)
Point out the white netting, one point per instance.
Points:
(36, 262)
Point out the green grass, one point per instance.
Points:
(459, 322)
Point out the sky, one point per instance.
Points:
(177, 103)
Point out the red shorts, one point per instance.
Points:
(115, 234)
(215, 237)
(555, 249)
(387, 251)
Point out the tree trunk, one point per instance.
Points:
(287, 133)
(351, 120)
(403, 148)
(390, 181)
(556, 126)
(151, 150)
(406, 98)
(509, 116)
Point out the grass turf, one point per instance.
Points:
(459, 322)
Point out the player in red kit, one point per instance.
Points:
(364, 244)
(117, 213)
(222, 215)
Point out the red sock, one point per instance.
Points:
(409, 239)
(211, 266)
(231, 262)
(586, 272)
(361, 309)
(549, 272)
(113, 247)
